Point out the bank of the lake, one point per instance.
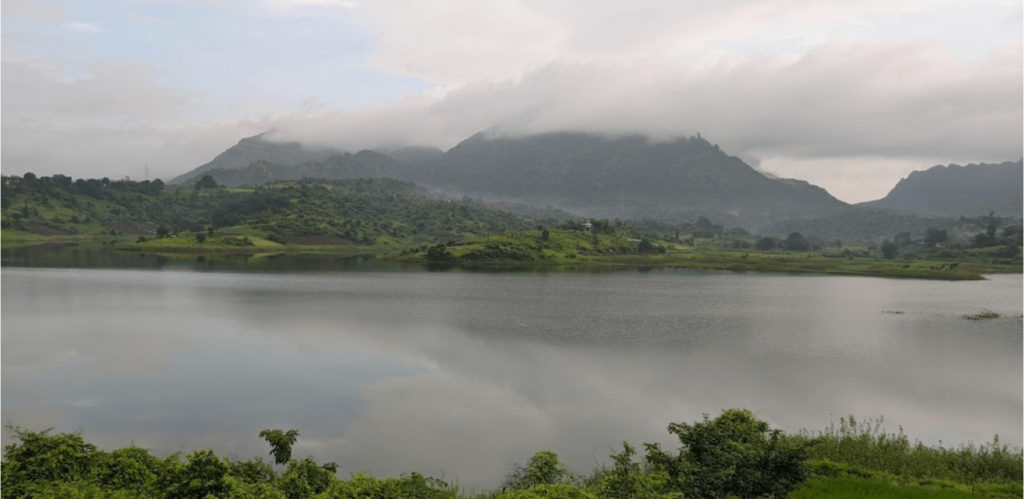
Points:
(492, 254)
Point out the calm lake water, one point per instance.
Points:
(461, 375)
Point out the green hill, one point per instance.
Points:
(364, 211)
(364, 164)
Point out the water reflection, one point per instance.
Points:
(462, 374)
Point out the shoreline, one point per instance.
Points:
(740, 261)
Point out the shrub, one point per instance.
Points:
(544, 467)
(738, 454)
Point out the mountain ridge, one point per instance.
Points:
(955, 190)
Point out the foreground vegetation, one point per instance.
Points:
(398, 221)
(734, 454)
(575, 249)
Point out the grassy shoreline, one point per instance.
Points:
(733, 455)
(486, 254)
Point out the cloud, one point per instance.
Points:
(32, 9)
(82, 27)
(807, 90)
(843, 84)
(113, 122)
(841, 101)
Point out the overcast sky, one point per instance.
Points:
(851, 96)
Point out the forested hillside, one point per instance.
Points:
(627, 177)
(257, 148)
(364, 164)
(363, 211)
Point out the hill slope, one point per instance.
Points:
(958, 190)
(365, 211)
(623, 177)
(364, 164)
(256, 148)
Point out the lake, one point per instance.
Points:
(462, 374)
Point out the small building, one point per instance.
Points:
(587, 226)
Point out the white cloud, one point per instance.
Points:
(813, 89)
(839, 104)
(82, 27)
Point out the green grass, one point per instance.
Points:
(563, 251)
(186, 243)
(572, 249)
(853, 488)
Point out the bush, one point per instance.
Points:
(543, 468)
(439, 253)
(796, 242)
(735, 454)
(41, 457)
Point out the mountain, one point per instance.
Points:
(364, 164)
(626, 177)
(414, 156)
(954, 190)
(257, 148)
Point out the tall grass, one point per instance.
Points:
(866, 445)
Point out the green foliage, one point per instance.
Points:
(549, 491)
(865, 445)
(738, 454)
(544, 467)
(350, 211)
(889, 249)
(734, 454)
(796, 242)
(131, 468)
(41, 457)
(281, 443)
(413, 485)
(201, 475)
(439, 253)
(306, 478)
(854, 488)
(252, 471)
(933, 236)
(766, 243)
(626, 480)
(207, 182)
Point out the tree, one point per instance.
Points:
(39, 457)
(796, 242)
(207, 182)
(626, 480)
(645, 246)
(889, 249)
(545, 235)
(766, 243)
(934, 236)
(439, 253)
(544, 467)
(280, 443)
(202, 476)
(162, 231)
(738, 454)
